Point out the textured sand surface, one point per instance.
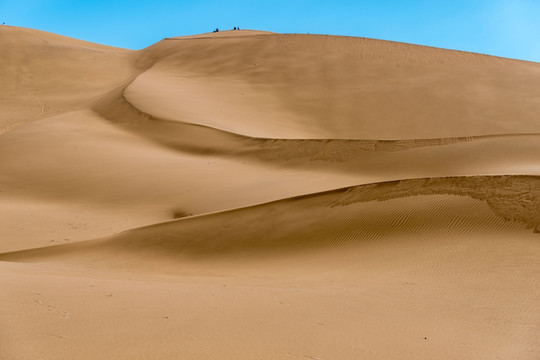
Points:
(252, 195)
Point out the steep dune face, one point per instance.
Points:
(259, 195)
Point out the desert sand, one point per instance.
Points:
(253, 195)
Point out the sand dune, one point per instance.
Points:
(246, 194)
(45, 74)
(327, 218)
(336, 87)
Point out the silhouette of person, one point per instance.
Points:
(235, 28)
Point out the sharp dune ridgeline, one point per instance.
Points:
(253, 195)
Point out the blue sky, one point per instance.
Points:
(509, 28)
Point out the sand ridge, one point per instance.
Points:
(514, 199)
(247, 194)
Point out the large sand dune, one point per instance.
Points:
(251, 195)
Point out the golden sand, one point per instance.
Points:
(252, 195)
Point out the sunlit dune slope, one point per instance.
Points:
(311, 86)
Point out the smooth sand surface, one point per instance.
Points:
(252, 195)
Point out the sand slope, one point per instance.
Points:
(45, 74)
(246, 194)
(336, 87)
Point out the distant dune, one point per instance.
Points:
(253, 195)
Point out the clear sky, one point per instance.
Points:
(509, 28)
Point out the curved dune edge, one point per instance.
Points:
(308, 221)
(184, 136)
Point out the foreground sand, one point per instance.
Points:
(251, 195)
